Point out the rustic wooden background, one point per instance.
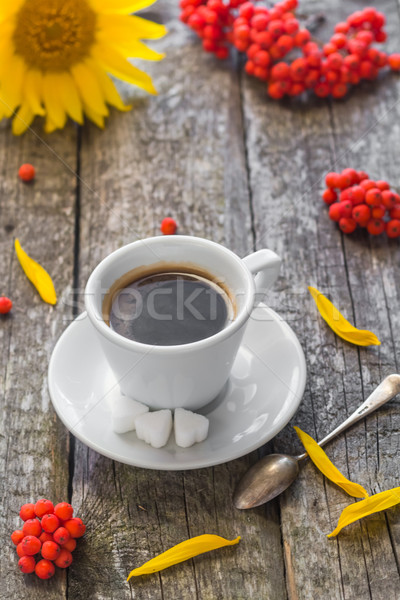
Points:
(232, 166)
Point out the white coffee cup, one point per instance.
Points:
(187, 375)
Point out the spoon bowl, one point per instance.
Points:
(271, 475)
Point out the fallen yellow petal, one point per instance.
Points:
(338, 324)
(366, 507)
(322, 462)
(37, 275)
(181, 552)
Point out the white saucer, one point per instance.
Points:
(263, 393)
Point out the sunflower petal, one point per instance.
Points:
(366, 507)
(89, 89)
(69, 97)
(132, 27)
(120, 6)
(37, 275)
(128, 46)
(33, 91)
(94, 116)
(183, 551)
(327, 468)
(22, 119)
(54, 108)
(7, 9)
(337, 322)
(11, 83)
(108, 88)
(114, 63)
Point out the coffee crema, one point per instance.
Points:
(168, 304)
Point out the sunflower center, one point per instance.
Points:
(54, 35)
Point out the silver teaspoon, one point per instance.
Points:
(272, 474)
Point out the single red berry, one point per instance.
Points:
(262, 58)
(264, 39)
(345, 208)
(332, 179)
(260, 22)
(367, 184)
(291, 26)
(64, 559)
(361, 213)
(43, 507)
(302, 37)
(63, 511)
(322, 89)
(27, 511)
(375, 226)
(249, 67)
(335, 60)
(329, 196)
(50, 522)
(394, 61)
(344, 181)
(168, 226)
(298, 69)
(382, 185)
(356, 194)
(352, 61)
(381, 36)
(335, 212)
(352, 174)
(75, 527)
(26, 564)
(222, 52)
(50, 550)
(285, 43)
(26, 172)
(362, 175)
(373, 197)
(395, 212)
(345, 194)
(365, 36)
(342, 27)
(70, 545)
(339, 90)
(275, 91)
(261, 72)
(45, 537)
(280, 71)
(32, 527)
(246, 10)
(275, 27)
(347, 225)
(61, 535)
(393, 228)
(389, 198)
(20, 550)
(5, 305)
(17, 536)
(378, 212)
(44, 569)
(31, 545)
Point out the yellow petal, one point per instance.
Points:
(69, 97)
(94, 116)
(22, 119)
(33, 91)
(183, 551)
(135, 27)
(120, 6)
(108, 88)
(366, 507)
(11, 83)
(37, 275)
(54, 108)
(89, 89)
(9, 8)
(129, 47)
(322, 462)
(114, 63)
(338, 324)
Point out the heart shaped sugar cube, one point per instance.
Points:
(125, 410)
(154, 427)
(189, 427)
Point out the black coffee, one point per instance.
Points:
(168, 308)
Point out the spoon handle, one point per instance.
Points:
(385, 391)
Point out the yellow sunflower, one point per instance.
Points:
(55, 57)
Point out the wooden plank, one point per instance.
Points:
(181, 154)
(287, 160)
(33, 442)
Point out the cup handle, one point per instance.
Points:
(265, 265)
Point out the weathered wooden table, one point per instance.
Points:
(237, 168)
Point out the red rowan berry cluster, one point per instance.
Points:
(50, 530)
(354, 199)
(267, 36)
